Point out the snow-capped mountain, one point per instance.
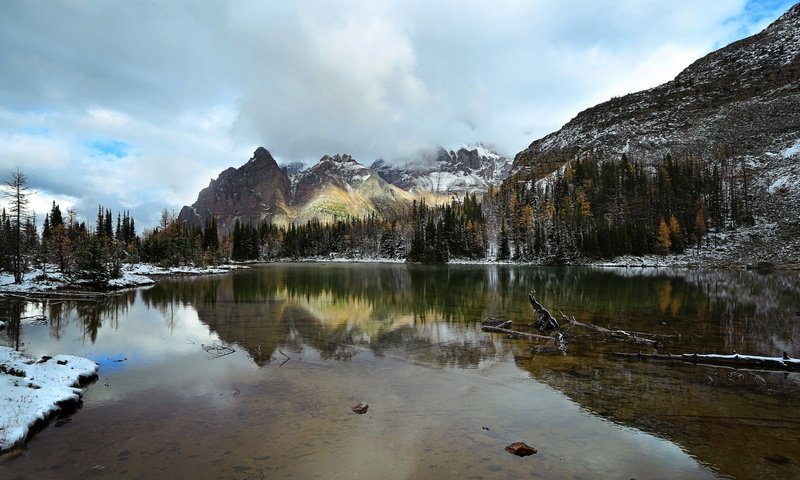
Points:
(336, 187)
(447, 172)
(740, 103)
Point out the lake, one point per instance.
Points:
(252, 375)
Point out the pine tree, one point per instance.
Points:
(17, 192)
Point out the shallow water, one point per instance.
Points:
(252, 375)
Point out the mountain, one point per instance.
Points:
(339, 186)
(336, 187)
(740, 103)
(447, 172)
(257, 190)
(744, 96)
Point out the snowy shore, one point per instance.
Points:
(33, 391)
(133, 275)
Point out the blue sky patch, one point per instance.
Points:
(109, 148)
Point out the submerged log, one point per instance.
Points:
(737, 361)
(514, 333)
(619, 334)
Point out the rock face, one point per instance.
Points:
(257, 190)
(741, 102)
(443, 172)
(336, 187)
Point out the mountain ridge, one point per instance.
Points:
(739, 104)
(337, 187)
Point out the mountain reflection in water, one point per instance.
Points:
(739, 423)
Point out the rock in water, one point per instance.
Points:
(520, 449)
(360, 408)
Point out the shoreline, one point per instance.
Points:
(142, 274)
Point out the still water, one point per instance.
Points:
(252, 374)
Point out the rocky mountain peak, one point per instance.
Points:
(338, 158)
(469, 169)
(258, 189)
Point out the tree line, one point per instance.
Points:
(593, 208)
(602, 208)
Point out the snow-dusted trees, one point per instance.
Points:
(599, 207)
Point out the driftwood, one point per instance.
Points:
(546, 320)
(736, 360)
(514, 333)
(635, 337)
(504, 326)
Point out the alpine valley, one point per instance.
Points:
(702, 169)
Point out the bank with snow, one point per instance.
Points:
(32, 392)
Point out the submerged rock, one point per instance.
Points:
(360, 408)
(520, 449)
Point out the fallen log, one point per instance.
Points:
(514, 333)
(619, 334)
(736, 360)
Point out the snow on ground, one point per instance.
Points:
(32, 282)
(149, 269)
(791, 151)
(32, 391)
(133, 275)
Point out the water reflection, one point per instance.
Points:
(424, 315)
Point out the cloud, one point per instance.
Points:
(136, 106)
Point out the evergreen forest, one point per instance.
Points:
(593, 208)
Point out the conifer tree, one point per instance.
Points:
(16, 190)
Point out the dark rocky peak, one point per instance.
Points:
(338, 158)
(468, 159)
(257, 190)
(261, 158)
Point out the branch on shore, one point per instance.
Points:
(784, 363)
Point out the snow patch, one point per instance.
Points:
(791, 151)
(779, 184)
(32, 391)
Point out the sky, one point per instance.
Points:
(137, 105)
